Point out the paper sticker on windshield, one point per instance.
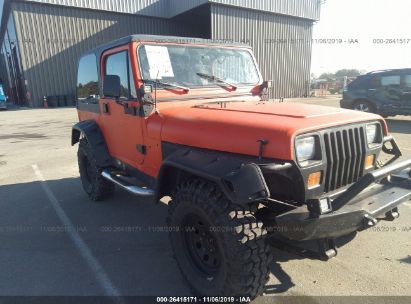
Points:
(159, 61)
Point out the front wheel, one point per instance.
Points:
(220, 247)
(364, 106)
(96, 187)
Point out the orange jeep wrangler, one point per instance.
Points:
(190, 119)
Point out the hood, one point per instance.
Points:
(237, 127)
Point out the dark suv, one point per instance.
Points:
(387, 93)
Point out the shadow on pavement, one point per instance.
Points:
(406, 260)
(298, 250)
(127, 236)
(285, 281)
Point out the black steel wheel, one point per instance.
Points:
(220, 247)
(96, 187)
(201, 244)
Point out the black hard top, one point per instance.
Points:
(389, 71)
(165, 39)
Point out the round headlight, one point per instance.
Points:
(373, 134)
(305, 148)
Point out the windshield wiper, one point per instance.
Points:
(216, 79)
(167, 84)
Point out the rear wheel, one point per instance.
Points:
(363, 106)
(96, 187)
(220, 247)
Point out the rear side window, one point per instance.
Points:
(394, 80)
(407, 81)
(119, 64)
(386, 81)
(87, 79)
(360, 82)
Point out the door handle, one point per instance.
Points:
(106, 109)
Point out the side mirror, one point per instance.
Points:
(111, 86)
(267, 84)
(265, 87)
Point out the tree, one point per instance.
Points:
(327, 76)
(348, 73)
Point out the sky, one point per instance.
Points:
(362, 20)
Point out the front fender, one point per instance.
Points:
(241, 181)
(95, 138)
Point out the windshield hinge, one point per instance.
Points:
(142, 149)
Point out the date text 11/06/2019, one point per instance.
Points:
(203, 299)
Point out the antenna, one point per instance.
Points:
(155, 90)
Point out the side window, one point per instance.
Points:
(407, 81)
(361, 83)
(394, 80)
(119, 64)
(87, 79)
(375, 82)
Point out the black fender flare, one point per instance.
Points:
(241, 181)
(95, 137)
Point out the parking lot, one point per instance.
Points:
(54, 241)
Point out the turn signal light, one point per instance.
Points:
(314, 180)
(369, 161)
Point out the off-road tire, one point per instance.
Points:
(96, 187)
(240, 238)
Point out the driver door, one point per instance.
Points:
(123, 130)
(386, 91)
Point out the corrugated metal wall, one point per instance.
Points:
(309, 9)
(146, 7)
(52, 38)
(282, 45)
(3, 70)
(180, 6)
(156, 8)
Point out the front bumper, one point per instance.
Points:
(3, 105)
(359, 207)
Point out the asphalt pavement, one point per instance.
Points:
(54, 241)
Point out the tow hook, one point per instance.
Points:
(370, 221)
(392, 215)
(327, 249)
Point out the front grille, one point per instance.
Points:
(345, 152)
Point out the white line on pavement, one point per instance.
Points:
(81, 246)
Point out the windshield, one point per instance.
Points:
(188, 65)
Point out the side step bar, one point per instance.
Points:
(139, 191)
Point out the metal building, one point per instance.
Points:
(41, 40)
